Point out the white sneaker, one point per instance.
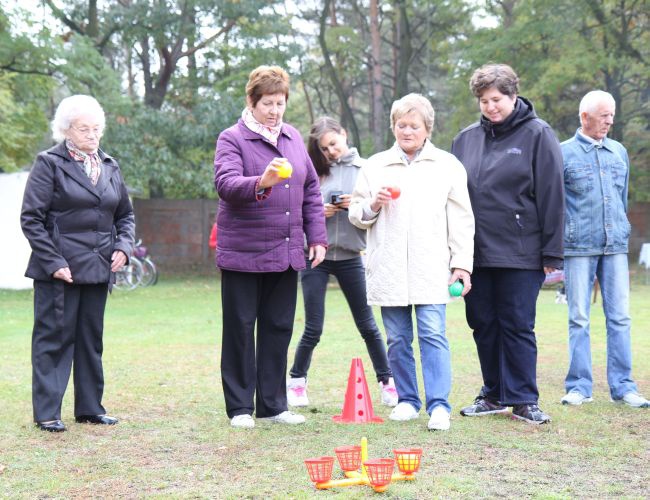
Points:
(634, 400)
(297, 392)
(439, 420)
(286, 417)
(242, 422)
(575, 398)
(403, 412)
(388, 393)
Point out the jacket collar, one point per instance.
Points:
(70, 167)
(522, 112)
(587, 145)
(249, 135)
(429, 152)
(351, 159)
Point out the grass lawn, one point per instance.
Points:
(161, 363)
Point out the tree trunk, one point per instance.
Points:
(376, 77)
(93, 23)
(405, 50)
(346, 111)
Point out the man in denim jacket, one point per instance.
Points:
(596, 233)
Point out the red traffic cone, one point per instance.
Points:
(357, 408)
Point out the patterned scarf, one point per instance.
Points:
(91, 161)
(271, 134)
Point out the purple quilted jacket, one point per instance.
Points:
(265, 235)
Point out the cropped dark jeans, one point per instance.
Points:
(352, 280)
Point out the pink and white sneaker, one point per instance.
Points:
(388, 393)
(297, 392)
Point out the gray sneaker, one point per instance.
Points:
(575, 398)
(530, 413)
(634, 400)
(482, 406)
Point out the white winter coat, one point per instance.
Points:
(416, 239)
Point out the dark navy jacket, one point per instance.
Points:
(516, 186)
(71, 223)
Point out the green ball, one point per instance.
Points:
(455, 289)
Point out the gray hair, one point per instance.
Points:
(412, 102)
(592, 99)
(71, 108)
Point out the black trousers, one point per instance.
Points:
(256, 367)
(352, 279)
(501, 310)
(68, 329)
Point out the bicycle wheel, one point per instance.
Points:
(129, 276)
(149, 273)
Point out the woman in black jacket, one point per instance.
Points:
(515, 180)
(79, 221)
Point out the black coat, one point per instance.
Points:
(516, 186)
(71, 223)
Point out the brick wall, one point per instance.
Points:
(639, 216)
(176, 232)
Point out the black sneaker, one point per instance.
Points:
(482, 406)
(530, 413)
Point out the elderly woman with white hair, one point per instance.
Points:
(413, 201)
(79, 222)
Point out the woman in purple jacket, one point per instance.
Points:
(269, 199)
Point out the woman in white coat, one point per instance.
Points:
(413, 201)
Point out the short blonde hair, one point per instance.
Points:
(267, 80)
(409, 103)
(70, 109)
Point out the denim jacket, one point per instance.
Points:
(595, 183)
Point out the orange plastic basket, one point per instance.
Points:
(320, 469)
(349, 457)
(408, 459)
(380, 471)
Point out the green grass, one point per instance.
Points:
(161, 363)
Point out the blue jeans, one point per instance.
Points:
(434, 354)
(352, 280)
(613, 276)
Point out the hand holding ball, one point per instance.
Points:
(285, 170)
(456, 289)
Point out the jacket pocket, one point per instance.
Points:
(619, 174)
(579, 177)
(519, 232)
(570, 229)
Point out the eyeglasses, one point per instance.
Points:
(95, 132)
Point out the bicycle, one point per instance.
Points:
(129, 276)
(149, 271)
(140, 271)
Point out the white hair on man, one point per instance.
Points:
(413, 102)
(72, 108)
(592, 99)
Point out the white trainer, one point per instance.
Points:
(575, 398)
(297, 392)
(286, 417)
(242, 422)
(439, 420)
(403, 412)
(388, 393)
(634, 400)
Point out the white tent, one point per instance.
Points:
(14, 249)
